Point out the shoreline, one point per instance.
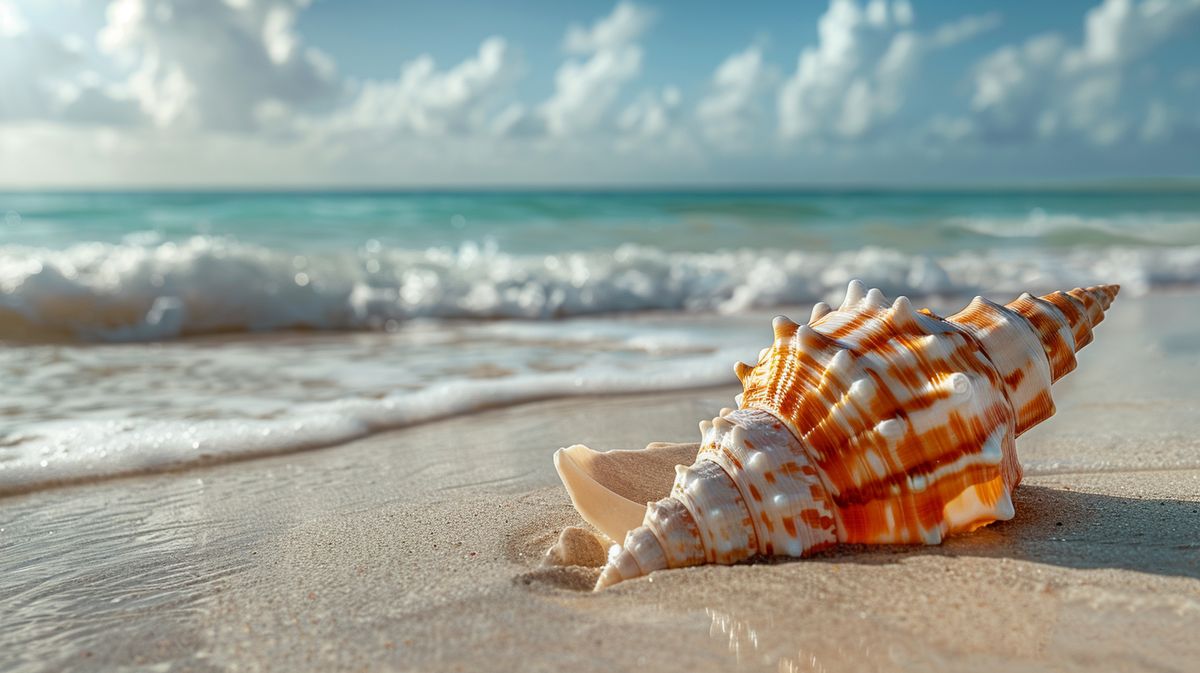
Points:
(338, 422)
(421, 549)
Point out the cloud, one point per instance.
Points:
(964, 29)
(586, 90)
(853, 80)
(1119, 31)
(12, 22)
(625, 25)
(32, 65)
(732, 111)
(1046, 88)
(215, 65)
(219, 89)
(427, 102)
(651, 115)
(44, 80)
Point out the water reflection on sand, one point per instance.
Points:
(763, 646)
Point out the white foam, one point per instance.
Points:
(54, 451)
(131, 292)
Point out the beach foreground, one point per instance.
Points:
(422, 549)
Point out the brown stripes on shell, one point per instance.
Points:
(958, 435)
(732, 458)
(976, 314)
(806, 384)
(981, 314)
(812, 392)
(851, 326)
(1091, 305)
(1041, 406)
(1014, 379)
(1047, 322)
(795, 383)
(789, 524)
(770, 526)
(675, 512)
(778, 355)
(815, 520)
(1076, 314)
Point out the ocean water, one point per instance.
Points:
(151, 330)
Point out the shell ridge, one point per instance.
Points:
(1053, 331)
(712, 496)
(1013, 348)
(808, 453)
(930, 370)
(868, 424)
(789, 507)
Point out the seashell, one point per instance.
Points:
(873, 423)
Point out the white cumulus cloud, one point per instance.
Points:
(854, 79)
(218, 65)
(586, 89)
(626, 24)
(652, 114)
(12, 21)
(45, 79)
(732, 111)
(964, 29)
(1047, 88)
(430, 102)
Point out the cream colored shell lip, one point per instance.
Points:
(610, 489)
(872, 423)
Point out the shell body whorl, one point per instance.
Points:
(874, 423)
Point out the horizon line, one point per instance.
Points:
(1158, 183)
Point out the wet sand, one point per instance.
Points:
(422, 550)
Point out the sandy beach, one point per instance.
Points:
(422, 549)
(320, 320)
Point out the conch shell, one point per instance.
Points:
(873, 423)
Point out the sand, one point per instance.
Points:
(423, 550)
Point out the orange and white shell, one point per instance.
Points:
(873, 423)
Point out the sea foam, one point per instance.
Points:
(65, 451)
(138, 292)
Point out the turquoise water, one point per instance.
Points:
(144, 266)
(547, 222)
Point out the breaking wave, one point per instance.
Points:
(209, 284)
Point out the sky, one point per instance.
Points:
(383, 93)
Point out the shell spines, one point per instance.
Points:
(869, 424)
(876, 393)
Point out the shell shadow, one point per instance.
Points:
(1070, 529)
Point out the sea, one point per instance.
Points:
(156, 330)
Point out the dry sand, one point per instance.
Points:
(422, 550)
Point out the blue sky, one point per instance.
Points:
(471, 92)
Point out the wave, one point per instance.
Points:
(1065, 228)
(75, 450)
(206, 284)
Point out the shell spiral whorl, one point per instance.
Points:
(874, 423)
